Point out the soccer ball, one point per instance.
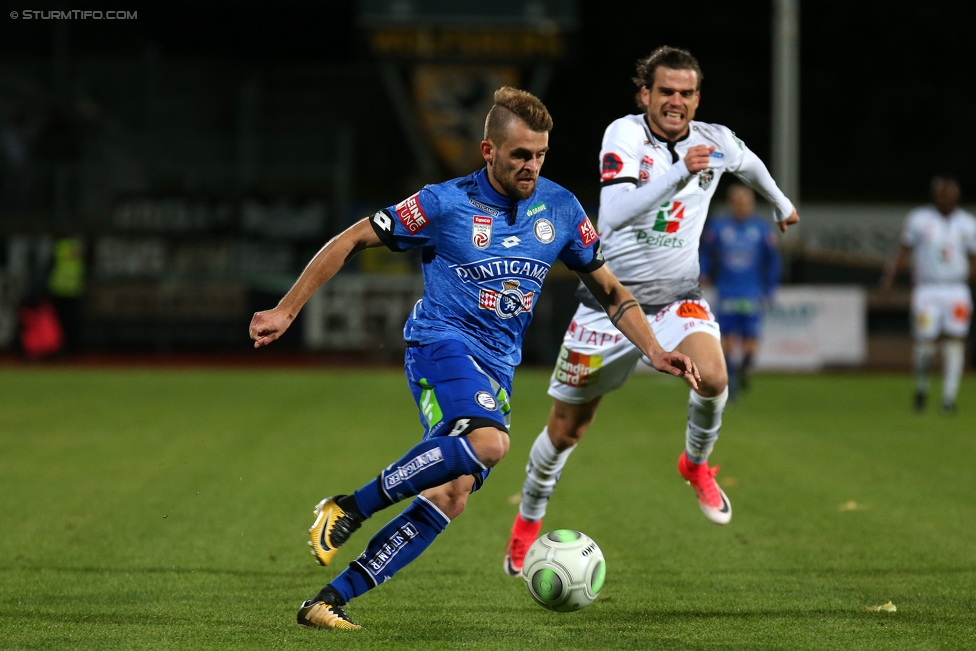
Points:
(564, 570)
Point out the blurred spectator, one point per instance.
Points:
(66, 284)
(40, 332)
(738, 256)
(941, 239)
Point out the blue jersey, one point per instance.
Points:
(484, 259)
(740, 258)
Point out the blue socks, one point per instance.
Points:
(428, 464)
(393, 547)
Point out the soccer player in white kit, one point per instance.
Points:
(941, 239)
(659, 170)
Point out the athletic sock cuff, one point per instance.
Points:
(349, 504)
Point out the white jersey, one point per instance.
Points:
(650, 238)
(940, 245)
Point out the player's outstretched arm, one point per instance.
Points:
(752, 171)
(270, 324)
(626, 314)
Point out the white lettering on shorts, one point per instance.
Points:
(576, 369)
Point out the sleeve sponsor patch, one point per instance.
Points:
(587, 232)
(611, 167)
(411, 214)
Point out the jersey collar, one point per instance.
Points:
(493, 196)
(661, 139)
(668, 143)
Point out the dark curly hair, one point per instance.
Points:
(667, 57)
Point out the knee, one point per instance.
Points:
(490, 444)
(451, 498)
(564, 434)
(567, 425)
(715, 378)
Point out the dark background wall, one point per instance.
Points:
(887, 87)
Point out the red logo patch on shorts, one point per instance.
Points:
(691, 310)
(587, 232)
(411, 214)
(960, 311)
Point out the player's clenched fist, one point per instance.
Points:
(268, 325)
(697, 157)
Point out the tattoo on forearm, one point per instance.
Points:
(626, 305)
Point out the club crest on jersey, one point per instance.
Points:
(705, 178)
(611, 166)
(509, 302)
(544, 231)
(486, 400)
(481, 232)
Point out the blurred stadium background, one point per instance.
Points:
(164, 176)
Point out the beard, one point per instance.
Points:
(514, 191)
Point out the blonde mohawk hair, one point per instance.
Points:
(510, 103)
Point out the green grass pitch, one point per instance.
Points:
(153, 509)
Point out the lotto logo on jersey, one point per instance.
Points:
(587, 232)
(611, 166)
(411, 214)
(576, 369)
(481, 232)
(669, 217)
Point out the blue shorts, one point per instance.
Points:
(737, 323)
(454, 394)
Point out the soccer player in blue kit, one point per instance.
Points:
(487, 242)
(739, 257)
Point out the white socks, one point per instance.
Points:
(704, 421)
(922, 354)
(546, 463)
(541, 474)
(953, 359)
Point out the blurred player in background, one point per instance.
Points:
(488, 241)
(941, 239)
(659, 170)
(739, 257)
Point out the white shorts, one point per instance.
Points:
(596, 358)
(941, 310)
